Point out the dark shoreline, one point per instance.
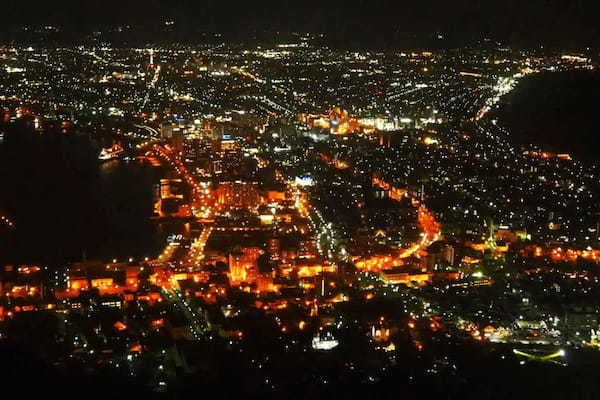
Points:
(556, 112)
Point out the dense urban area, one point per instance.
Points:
(322, 221)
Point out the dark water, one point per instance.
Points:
(125, 197)
(556, 111)
(67, 205)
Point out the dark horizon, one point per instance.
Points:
(381, 23)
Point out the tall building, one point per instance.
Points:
(177, 140)
(166, 130)
(274, 247)
(151, 51)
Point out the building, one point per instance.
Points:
(238, 195)
(243, 265)
(166, 130)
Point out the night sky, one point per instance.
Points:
(522, 22)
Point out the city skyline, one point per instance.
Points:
(388, 200)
